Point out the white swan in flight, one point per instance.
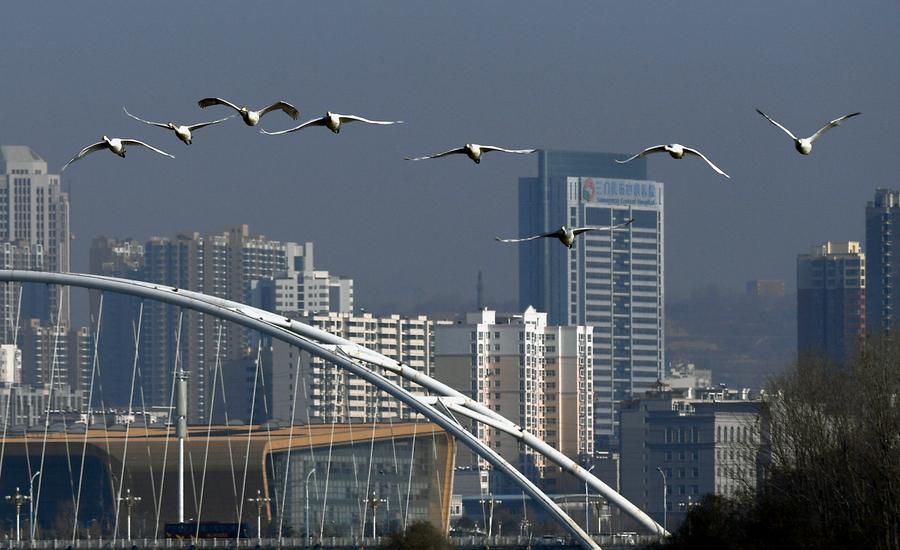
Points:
(474, 152)
(677, 151)
(804, 145)
(184, 133)
(251, 118)
(116, 145)
(333, 122)
(566, 235)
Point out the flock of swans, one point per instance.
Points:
(334, 122)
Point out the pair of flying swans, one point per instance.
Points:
(332, 121)
(474, 152)
(566, 235)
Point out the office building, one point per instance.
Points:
(831, 300)
(696, 441)
(610, 280)
(535, 374)
(882, 216)
(34, 233)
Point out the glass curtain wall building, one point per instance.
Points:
(611, 280)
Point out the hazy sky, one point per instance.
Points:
(564, 75)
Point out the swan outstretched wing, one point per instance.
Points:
(647, 151)
(457, 151)
(129, 141)
(489, 148)
(289, 109)
(193, 127)
(585, 229)
(210, 101)
(770, 119)
(160, 124)
(354, 118)
(709, 162)
(86, 151)
(830, 125)
(523, 239)
(313, 122)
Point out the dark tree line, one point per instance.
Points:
(832, 468)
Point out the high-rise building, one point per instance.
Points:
(696, 442)
(882, 302)
(232, 265)
(610, 280)
(535, 374)
(56, 353)
(301, 290)
(10, 364)
(34, 220)
(831, 300)
(329, 394)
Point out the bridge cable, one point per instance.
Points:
(137, 344)
(249, 432)
(9, 401)
(47, 419)
(412, 459)
(212, 406)
(330, 449)
(169, 424)
(287, 462)
(87, 423)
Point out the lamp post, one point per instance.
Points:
(374, 501)
(31, 503)
(260, 502)
(18, 499)
(311, 472)
(599, 505)
(665, 496)
(587, 509)
(130, 501)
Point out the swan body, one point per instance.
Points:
(567, 235)
(116, 145)
(475, 152)
(804, 145)
(183, 132)
(250, 117)
(676, 151)
(332, 121)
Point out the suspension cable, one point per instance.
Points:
(169, 423)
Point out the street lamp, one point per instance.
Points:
(311, 472)
(18, 499)
(31, 503)
(665, 496)
(130, 501)
(587, 510)
(374, 501)
(260, 502)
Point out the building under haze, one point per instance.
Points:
(882, 249)
(535, 374)
(234, 265)
(831, 300)
(34, 234)
(325, 393)
(612, 281)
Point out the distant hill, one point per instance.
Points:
(742, 338)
